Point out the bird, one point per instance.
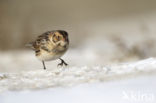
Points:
(50, 45)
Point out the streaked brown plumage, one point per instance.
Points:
(51, 45)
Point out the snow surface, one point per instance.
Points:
(136, 90)
(69, 76)
(25, 81)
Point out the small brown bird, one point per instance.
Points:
(51, 45)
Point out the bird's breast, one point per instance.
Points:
(47, 56)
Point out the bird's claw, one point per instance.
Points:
(62, 63)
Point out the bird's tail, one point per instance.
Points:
(30, 45)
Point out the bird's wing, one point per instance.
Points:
(43, 42)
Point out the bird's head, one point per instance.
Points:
(60, 37)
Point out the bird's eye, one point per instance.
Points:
(58, 37)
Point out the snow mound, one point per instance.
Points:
(70, 76)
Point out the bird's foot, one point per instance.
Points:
(62, 63)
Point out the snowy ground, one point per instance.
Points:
(136, 90)
(123, 82)
(70, 76)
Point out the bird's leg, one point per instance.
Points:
(62, 62)
(44, 67)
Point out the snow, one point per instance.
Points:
(90, 77)
(70, 76)
(82, 84)
(134, 90)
